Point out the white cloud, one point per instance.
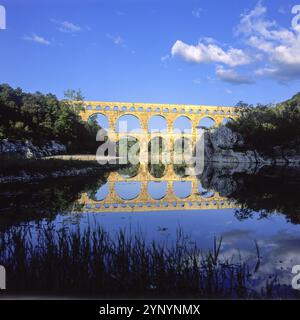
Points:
(273, 50)
(282, 74)
(255, 23)
(207, 53)
(67, 26)
(260, 44)
(280, 46)
(231, 76)
(117, 40)
(165, 58)
(37, 39)
(208, 40)
(197, 12)
(251, 21)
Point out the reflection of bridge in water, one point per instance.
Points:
(143, 201)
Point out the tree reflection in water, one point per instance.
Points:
(269, 190)
(157, 170)
(44, 199)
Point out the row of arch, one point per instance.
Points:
(157, 171)
(157, 123)
(156, 190)
(156, 144)
(213, 204)
(161, 109)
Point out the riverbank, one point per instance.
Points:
(222, 145)
(27, 170)
(84, 157)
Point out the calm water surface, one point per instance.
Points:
(239, 207)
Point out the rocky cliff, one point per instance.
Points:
(222, 145)
(28, 150)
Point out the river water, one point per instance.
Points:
(244, 208)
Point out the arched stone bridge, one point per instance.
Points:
(144, 202)
(145, 111)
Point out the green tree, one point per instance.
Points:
(74, 99)
(40, 118)
(267, 126)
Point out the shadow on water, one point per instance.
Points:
(35, 201)
(266, 191)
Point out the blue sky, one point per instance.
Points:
(189, 51)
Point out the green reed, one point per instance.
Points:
(91, 263)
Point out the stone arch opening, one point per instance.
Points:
(128, 190)
(129, 172)
(100, 194)
(182, 189)
(205, 193)
(183, 124)
(183, 150)
(157, 189)
(182, 145)
(180, 170)
(157, 146)
(101, 120)
(157, 170)
(128, 148)
(206, 123)
(157, 124)
(227, 120)
(128, 123)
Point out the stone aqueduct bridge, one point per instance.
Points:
(144, 202)
(145, 111)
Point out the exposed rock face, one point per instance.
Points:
(223, 138)
(220, 146)
(28, 150)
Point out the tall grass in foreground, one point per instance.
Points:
(90, 263)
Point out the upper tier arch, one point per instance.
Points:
(145, 111)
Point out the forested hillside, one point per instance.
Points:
(264, 127)
(42, 117)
